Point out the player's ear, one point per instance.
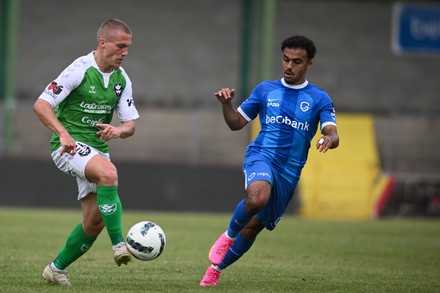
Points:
(101, 42)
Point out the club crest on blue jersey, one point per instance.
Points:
(304, 106)
(118, 89)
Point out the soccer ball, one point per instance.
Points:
(146, 240)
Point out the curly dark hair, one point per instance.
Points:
(300, 42)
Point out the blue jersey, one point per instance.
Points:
(289, 117)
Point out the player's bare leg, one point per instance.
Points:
(101, 171)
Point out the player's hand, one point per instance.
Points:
(108, 132)
(225, 95)
(68, 144)
(323, 144)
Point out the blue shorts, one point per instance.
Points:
(256, 168)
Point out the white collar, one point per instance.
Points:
(91, 55)
(296, 86)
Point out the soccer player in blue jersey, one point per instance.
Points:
(290, 110)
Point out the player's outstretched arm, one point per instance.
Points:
(329, 140)
(233, 119)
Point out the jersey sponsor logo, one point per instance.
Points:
(288, 121)
(54, 89)
(304, 106)
(273, 103)
(261, 174)
(96, 108)
(82, 149)
(91, 122)
(118, 89)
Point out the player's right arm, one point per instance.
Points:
(46, 114)
(233, 118)
(58, 90)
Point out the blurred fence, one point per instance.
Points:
(407, 148)
(177, 61)
(409, 151)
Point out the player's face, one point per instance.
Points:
(295, 65)
(116, 49)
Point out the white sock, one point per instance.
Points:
(227, 235)
(118, 245)
(54, 268)
(216, 268)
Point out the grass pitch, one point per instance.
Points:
(398, 255)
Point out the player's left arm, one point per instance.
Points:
(329, 139)
(109, 132)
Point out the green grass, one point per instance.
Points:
(398, 255)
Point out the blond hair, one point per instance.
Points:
(108, 27)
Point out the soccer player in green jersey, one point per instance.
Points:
(78, 108)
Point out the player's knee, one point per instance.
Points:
(93, 229)
(109, 177)
(254, 203)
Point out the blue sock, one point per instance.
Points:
(237, 250)
(239, 219)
